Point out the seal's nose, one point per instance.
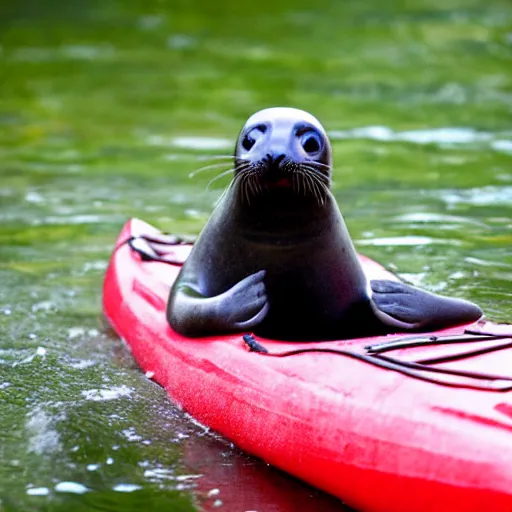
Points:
(275, 174)
(274, 160)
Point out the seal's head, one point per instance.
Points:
(283, 151)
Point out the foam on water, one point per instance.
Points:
(126, 487)
(43, 437)
(441, 136)
(131, 435)
(427, 217)
(478, 196)
(38, 491)
(194, 143)
(64, 52)
(39, 352)
(400, 241)
(76, 219)
(98, 395)
(502, 145)
(71, 487)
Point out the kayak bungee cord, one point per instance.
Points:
(422, 341)
(498, 383)
(152, 248)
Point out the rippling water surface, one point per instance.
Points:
(107, 107)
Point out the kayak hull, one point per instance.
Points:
(377, 439)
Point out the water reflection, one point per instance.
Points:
(242, 483)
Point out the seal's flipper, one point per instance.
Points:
(405, 306)
(240, 308)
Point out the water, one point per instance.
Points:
(107, 107)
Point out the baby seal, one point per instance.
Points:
(275, 257)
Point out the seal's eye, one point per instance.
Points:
(311, 142)
(251, 137)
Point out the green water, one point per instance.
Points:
(107, 106)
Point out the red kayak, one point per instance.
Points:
(398, 423)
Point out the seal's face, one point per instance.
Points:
(283, 150)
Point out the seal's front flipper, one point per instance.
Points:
(407, 307)
(245, 305)
(240, 308)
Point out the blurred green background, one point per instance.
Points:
(107, 106)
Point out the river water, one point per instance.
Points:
(107, 107)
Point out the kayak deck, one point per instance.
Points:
(378, 438)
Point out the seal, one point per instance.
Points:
(276, 258)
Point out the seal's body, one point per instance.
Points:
(276, 258)
(306, 299)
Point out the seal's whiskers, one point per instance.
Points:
(208, 168)
(216, 157)
(218, 177)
